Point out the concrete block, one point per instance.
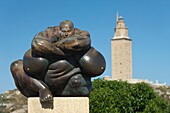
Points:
(59, 105)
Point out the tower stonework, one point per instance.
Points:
(121, 46)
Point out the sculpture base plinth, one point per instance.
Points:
(59, 105)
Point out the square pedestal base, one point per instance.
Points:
(59, 105)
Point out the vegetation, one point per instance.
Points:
(106, 97)
(122, 97)
(164, 92)
(13, 101)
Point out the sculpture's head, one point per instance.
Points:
(66, 28)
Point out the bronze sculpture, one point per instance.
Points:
(60, 62)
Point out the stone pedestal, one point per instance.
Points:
(59, 105)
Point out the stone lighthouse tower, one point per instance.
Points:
(121, 46)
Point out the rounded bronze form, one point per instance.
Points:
(60, 62)
(93, 63)
(66, 25)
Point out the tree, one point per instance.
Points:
(122, 97)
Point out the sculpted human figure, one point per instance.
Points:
(60, 62)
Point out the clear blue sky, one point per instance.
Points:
(148, 22)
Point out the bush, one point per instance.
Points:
(122, 97)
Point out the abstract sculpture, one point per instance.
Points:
(60, 62)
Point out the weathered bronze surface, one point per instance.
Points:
(60, 62)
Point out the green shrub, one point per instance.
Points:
(122, 97)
